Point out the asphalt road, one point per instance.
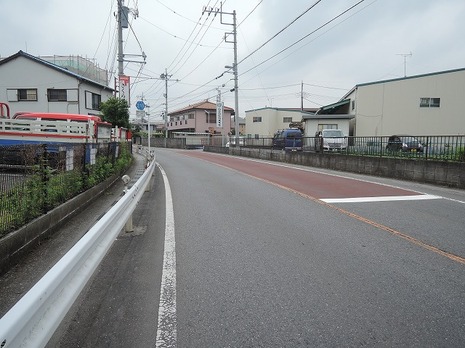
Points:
(271, 255)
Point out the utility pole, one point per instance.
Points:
(234, 66)
(120, 39)
(166, 77)
(123, 23)
(302, 96)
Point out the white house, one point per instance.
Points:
(29, 83)
(428, 104)
(266, 121)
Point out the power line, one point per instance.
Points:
(304, 37)
(214, 49)
(190, 55)
(188, 48)
(345, 19)
(279, 32)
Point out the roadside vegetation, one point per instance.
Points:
(46, 188)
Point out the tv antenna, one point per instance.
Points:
(405, 55)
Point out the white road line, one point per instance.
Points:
(166, 329)
(379, 199)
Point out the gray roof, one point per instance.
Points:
(304, 111)
(411, 77)
(328, 117)
(401, 79)
(53, 66)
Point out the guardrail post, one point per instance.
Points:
(128, 227)
(149, 158)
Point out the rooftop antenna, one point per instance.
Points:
(405, 55)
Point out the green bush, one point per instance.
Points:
(461, 154)
(47, 188)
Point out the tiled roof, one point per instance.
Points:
(203, 105)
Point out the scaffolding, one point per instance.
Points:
(82, 66)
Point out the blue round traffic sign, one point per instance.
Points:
(140, 105)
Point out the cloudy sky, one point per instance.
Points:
(328, 46)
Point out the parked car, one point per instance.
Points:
(330, 140)
(288, 140)
(405, 143)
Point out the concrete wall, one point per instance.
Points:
(450, 174)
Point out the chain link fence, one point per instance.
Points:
(37, 178)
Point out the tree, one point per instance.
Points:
(116, 111)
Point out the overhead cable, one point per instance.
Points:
(279, 32)
(296, 42)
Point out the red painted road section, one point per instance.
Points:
(316, 185)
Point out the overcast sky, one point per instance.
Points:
(281, 44)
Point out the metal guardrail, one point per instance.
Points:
(32, 321)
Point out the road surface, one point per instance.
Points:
(265, 254)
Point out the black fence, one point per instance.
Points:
(37, 178)
(439, 148)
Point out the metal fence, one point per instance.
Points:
(36, 178)
(439, 148)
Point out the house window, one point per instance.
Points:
(57, 95)
(353, 104)
(96, 100)
(257, 119)
(191, 116)
(27, 94)
(287, 119)
(210, 117)
(430, 102)
(327, 126)
(93, 100)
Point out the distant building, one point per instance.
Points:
(428, 104)
(200, 118)
(266, 121)
(29, 83)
